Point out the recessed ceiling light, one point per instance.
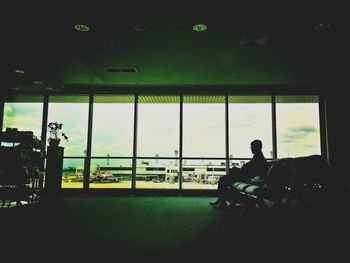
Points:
(19, 71)
(322, 27)
(200, 27)
(141, 28)
(81, 28)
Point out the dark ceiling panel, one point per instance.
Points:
(285, 48)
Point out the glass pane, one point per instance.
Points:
(238, 163)
(249, 119)
(110, 173)
(112, 131)
(158, 127)
(72, 173)
(204, 126)
(202, 174)
(298, 128)
(157, 173)
(24, 115)
(72, 112)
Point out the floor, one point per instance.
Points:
(167, 227)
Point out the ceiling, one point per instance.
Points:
(240, 46)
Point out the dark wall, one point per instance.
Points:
(335, 77)
(338, 133)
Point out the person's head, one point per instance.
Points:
(256, 146)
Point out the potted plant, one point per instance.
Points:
(56, 134)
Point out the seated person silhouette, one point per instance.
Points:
(257, 166)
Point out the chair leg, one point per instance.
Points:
(261, 203)
(248, 202)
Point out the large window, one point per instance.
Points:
(24, 113)
(158, 126)
(250, 118)
(72, 112)
(113, 126)
(158, 131)
(204, 126)
(150, 154)
(298, 129)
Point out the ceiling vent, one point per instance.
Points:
(121, 70)
(252, 40)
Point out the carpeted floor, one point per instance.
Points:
(161, 227)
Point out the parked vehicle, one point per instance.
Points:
(103, 177)
(213, 179)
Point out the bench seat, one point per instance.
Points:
(302, 178)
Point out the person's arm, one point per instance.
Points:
(254, 168)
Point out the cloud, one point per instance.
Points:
(296, 133)
(298, 141)
(305, 129)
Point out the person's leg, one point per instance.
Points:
(234, 198)
(225, 186)
(225, 182)
(220, 190)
